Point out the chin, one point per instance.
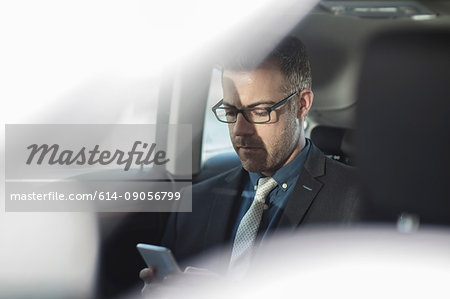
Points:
(253, 166)
(250, 167)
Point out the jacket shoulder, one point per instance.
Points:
(229, 177)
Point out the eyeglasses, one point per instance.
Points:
(252, 115)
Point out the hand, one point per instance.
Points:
(148, 275)
(175, 282)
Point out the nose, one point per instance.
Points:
(242, 127)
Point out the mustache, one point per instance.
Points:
(247, 142)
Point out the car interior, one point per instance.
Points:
(346, 41)
(381, 88)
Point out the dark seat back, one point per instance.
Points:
(403, 121)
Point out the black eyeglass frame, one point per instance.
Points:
(268, 109)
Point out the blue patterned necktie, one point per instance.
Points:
(248, 228)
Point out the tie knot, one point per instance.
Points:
(266, 181)
(265, 185)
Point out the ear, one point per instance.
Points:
(306, 97)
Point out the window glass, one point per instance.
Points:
(216, 139)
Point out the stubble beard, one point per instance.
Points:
(264, 160)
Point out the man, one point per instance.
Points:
(264, 106)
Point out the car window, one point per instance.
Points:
(215, 134)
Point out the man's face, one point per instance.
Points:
(262, 147)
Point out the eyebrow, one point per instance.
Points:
(270, 103)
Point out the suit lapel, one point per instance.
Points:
(223, 199)
(305, 190)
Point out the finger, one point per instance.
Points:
(147, 274)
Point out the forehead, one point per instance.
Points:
(243, 88)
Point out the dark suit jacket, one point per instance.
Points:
(326, 191)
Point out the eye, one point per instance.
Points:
(260, 112)
(230, 112)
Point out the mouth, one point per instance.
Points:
(249, 149)
(248, 146)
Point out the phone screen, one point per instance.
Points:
(158, 257)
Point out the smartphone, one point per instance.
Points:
(160, 258)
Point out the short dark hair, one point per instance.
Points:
(290, 54)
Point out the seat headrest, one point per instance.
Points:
(333, 140)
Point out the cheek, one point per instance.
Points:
(230, 131)
(281, 137)
(270, 136)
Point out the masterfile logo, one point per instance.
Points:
(102, 168)
(53, 155)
